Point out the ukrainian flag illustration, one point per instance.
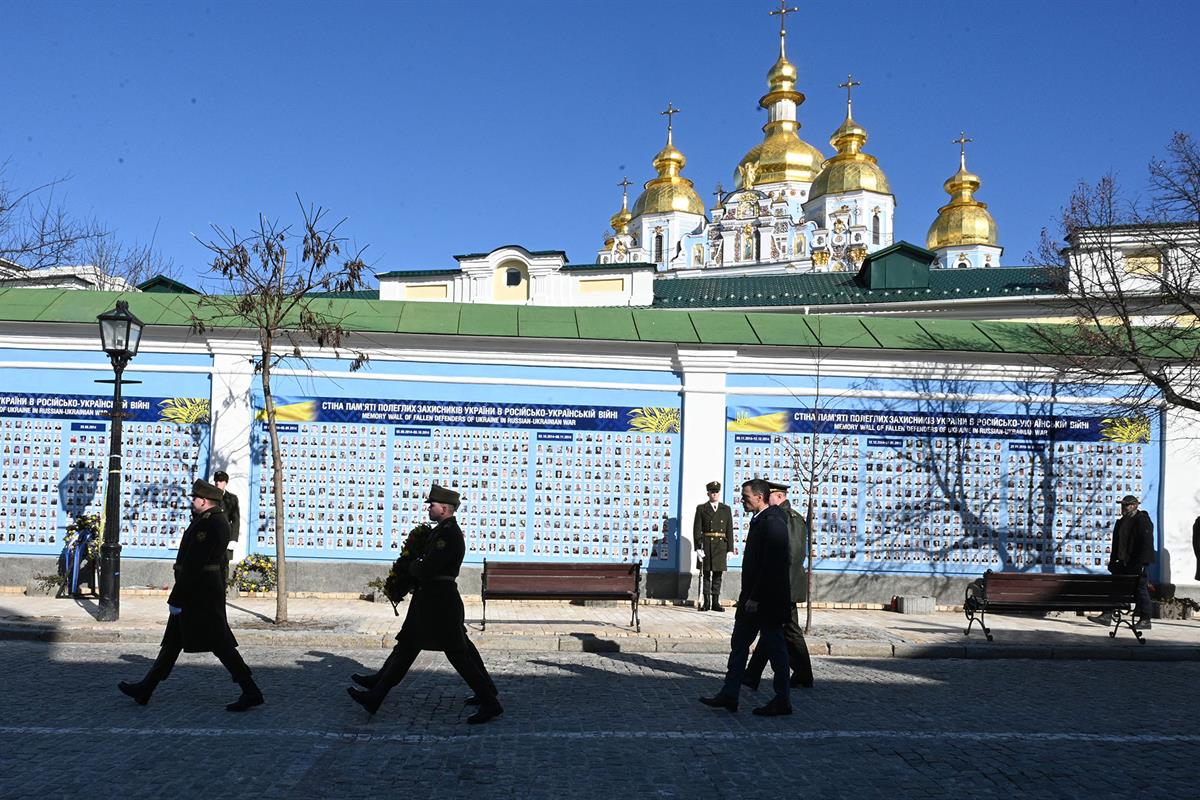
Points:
(755, 420)
(299, 411)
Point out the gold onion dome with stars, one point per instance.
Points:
(782, 155)
(964, 220)
(850, 169)
(669, 191)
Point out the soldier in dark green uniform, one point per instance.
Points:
(435, 617)
(793, 634)
(229, 505)
(712, 534)
(197, 623)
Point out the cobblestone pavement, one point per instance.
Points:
(595, 725)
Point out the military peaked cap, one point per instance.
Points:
(1129, 500)
(712, 486)
(777, 487)
(440, 494)
(206, 490)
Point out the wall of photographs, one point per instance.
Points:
(539, 481)
(950, 493)
(54, 467)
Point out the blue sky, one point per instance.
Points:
(446, 128)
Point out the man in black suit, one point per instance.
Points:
(197, 623)
(712, 535)
(1132, 552)
(435, 617)
(793, 634)
(764, 603)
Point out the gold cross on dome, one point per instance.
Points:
(625, 184)
(718, 193)
(962, 141)
(670, 114)
(849, 86)
(782, 13)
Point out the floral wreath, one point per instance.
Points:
(255, 573)
(85, 523)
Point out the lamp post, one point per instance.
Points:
(120, 335)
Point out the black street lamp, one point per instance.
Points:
(120, 334)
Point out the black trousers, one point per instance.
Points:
(1143, 606)
(172, 646)
(466, 662)
(797, 650)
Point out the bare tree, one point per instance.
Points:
(119, 264)
(35, 229)
(279, 300)
(1133, 283)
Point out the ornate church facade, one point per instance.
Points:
(794, 211)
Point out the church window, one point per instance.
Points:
(963, 263)
(875, 228)
(658, 248)
(512, 277)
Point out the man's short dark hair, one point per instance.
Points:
(758, 486)
(220, 475)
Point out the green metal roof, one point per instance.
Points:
(630, 265)
(843, 288)
(711, 327)
(419, 273)
(161, 283)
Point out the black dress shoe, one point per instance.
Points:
(719, 700)
(365, 679)
(773, 709)
(365, 699)
(720, 609)
(473, 700)
(139, 691)
(486, 713)
(247, 700)
(751, 683)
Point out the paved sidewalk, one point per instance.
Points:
(559, 626)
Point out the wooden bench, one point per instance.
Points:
(1007, 592)
(523, 580)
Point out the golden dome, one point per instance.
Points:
(850, 169)
(669, 191)
(964, 220)
(782, 155)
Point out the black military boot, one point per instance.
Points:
(140, 691)
(250, 697)
(705, 591)
(489, 709)
(716, 592)
(369, 700)
(367, 680)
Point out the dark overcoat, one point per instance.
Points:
(229, 504)
(716, 548)
(1133, 541)
(199, 589)
(797, 552)
(765, 569)
(435, 612)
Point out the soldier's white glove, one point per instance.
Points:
(700, 556)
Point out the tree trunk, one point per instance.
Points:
(276, 488)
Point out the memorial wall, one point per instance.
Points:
(557, 461)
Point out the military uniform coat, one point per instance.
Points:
(229, 504)
(797, 552)
(765, 569)
(199, 589)
(715, 548)
(435, 613)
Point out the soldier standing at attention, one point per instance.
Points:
(197, 623)
(229, 504)
(712, 534)
(435, 616)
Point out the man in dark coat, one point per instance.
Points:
(197, 622)
(764, 603)
(712, 535)
(1132, 552)
(233, 514)
(793, 634)
(435, 619)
